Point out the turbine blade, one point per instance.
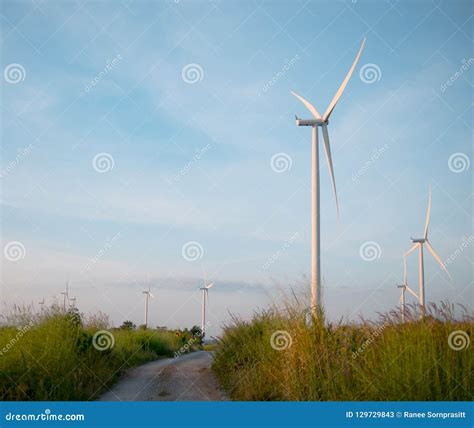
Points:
(209, 285)
(428, 212)
(438, 258)
(343, 85)
(415, 246)
(151, 295)
(412, 292)
(308, 105)
(404, 270)
(327, 150)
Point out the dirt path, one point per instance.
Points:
(186, 378)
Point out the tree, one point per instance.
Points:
(128, 325)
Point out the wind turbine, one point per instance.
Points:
(66, 295)
(73, 300)
(147, 296)
(419, 243)
(41, 305)
(205, 298)
(404, 287)
(315, 122)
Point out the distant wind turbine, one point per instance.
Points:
(73, 300)
(41, 305)
(404, 287)
(419, 243)
(321, 121)
(147, 294)
(205, 299)
(66, 295)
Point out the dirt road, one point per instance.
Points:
(185, 378)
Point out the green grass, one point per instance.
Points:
(52, 357)
(386, 360)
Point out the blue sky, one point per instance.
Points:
(191, 152)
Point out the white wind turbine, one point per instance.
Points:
(41, 305)
(205, 299)
(321, 121)
(418, 243)
(73, 300)
(404, 287)
(147, 294)
(65, 293)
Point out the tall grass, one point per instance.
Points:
(52, 356)
(316, 360)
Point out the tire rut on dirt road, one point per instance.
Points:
(186, 378)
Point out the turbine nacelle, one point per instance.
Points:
(310, 122)
(418, 240)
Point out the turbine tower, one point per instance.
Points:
(65, 293)
(315, 122)
(418, 243)
(147, 294)
(205, 298)
(41, 305)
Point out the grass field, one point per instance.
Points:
(57, 356)
(280, 355)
